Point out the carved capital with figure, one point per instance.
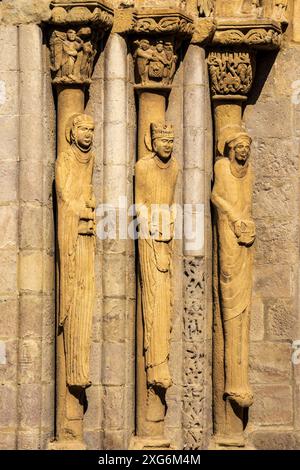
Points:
(77, 28)
(157, 36)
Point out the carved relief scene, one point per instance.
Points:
(149, 191)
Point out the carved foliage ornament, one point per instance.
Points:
(176, 24)
(155, 61)
(194, 365)
(231, 73)
(260, 37)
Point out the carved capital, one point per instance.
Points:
(231, 73)
(77, 26)
(157, 35)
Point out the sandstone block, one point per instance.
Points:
(8, 181)
(9, 94)
(257, 320)
(272, 281)
(9, 271)
(114, 409)
(113, 363)
(272, 405)
(9, 126)
(31, 271)
(114, 268)
(114, 320)
(9, 309)
(280, 319)
(9, 48)
(270, 363)
(8, 405)
(27, 395)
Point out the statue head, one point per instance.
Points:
(160, 46)
(80, 131)
(144, 44)
(239, 148)
(71, 35)
(235, 144)
(162, 136)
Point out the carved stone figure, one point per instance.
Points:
(206, 8)
(156, 178)
(72, 56)
(232, 198)
(155, 61)
(279, 12)
(76, 240)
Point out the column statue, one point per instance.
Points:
(232, 198)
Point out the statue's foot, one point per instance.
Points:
(160, 376)
(244, 399)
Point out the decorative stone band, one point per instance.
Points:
(258, 34)
(231, 73)
(79, 12)
(163, 21)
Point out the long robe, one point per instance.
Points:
(232, 196)
(155, 184)
(76, 261)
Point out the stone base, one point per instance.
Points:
(229, 443)
(66, 445)
(148, 443)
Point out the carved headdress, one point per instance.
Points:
(160, 130)
(74, 121)
(229, 136)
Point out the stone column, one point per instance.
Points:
(155, 53)
(231, 63)
(74, 38)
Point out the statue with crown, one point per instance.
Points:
(156, 177)
(232, 199)
(76, 240)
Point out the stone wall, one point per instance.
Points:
(272, 118)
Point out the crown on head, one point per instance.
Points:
(160, 130)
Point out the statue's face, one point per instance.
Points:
(71, 35)
(85, 135)
(159, 47)
(242, 150)
(163, 147)
(145, 46)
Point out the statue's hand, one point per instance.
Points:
(245, 231)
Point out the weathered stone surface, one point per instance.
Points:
(270, 363)
(280, 319)
(29, 394)
(114, 320)
(31, 272)
(272, 281)
(274, 197)
(8, 179)
(114, 440)
(9, 267)
(114, 400)
(276, 241)
(8, 405)
(24, 11)
(272, 405)
(275, 440)
(113, 356)
(257, 327)
(8, 440)
(9, 317)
